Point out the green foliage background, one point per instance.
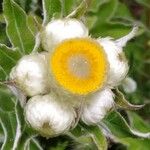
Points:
(113, 18)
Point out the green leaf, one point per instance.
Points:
(12, 128)
(105, 11)
(97, 136)
(123, 12)
(29, 143)
(144, 2)
(34, 145)
(67, 6)
(17, 27)
(78, 131)
(16, 131)
(51, 8)
(80, 10)
(118, 125)
(115, 30)
(8, 59)
(138, 123)
(123, 103)
(95, 4)
(103, 25)
(106, 23)
(136, 144)
(60, 146)
(1, 132)
(27, 138)
(3, 36)
(28, 5)
(22, 3)
(23, 142)
(7, 101)
(120, 128)
(33, 23)
(8, 128)
(88, 137)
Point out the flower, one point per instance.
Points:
(75, 73)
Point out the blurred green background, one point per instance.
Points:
(113, 18)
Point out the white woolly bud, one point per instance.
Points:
(97, 106)
(129, 85)
(30, 74)
(49, 116)
(62, 29)
(118, 65)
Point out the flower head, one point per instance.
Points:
(74, 67)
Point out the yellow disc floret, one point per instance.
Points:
(79, 65)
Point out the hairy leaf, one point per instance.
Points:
(80, 10)
(16, 132)
(67, 6)
(7, 123)
(123, 103)
(89, 135)
(136, 144)
(120, 128)
(144, 2)
(138, 123)
(17, 27)
(50, 9)
(7, 101)
(97, 136)
(104, 25)
(8, 59)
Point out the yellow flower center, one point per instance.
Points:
(79, 65)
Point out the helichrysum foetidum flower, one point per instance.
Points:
(76, 72)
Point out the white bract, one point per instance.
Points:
(30, 74)
(117, 61)
(118, 65)
(98, 106)
(58, 30)
(47, 115)
(129, 85)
